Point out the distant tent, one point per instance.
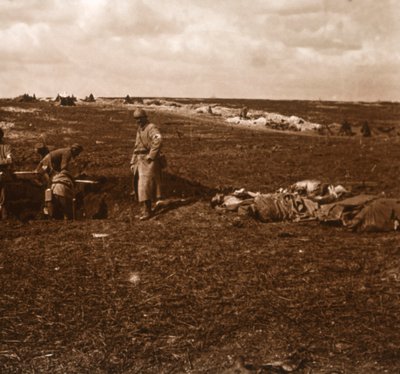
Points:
(66, 100)
(26, 98)
(128, 100)
(89, 99)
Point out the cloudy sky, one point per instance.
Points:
(272, 49)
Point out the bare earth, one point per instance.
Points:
(193, 290)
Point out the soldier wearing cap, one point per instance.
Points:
(145, 163)
(59, 160)
(5, 172)
(58, 174)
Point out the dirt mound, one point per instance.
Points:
(25, 199)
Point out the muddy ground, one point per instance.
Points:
(193, 290)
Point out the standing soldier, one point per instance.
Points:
(243, 112)
(365, 129)
(5, 171)
(146, 164)
(345, 128)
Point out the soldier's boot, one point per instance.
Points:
(146, 211)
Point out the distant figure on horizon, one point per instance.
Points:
(243, 112)
(366, 130)
(345, 129)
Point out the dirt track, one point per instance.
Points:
(193, 290)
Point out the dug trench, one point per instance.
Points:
(101, 197)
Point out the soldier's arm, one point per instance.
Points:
(155, 142)
(39, 167)
(133, 158)
(65, 159)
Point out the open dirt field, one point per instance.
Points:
(193, 290)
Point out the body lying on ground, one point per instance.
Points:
(302, 202)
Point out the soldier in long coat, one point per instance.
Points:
(145, 163)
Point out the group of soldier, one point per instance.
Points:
(55, 171)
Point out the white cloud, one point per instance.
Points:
(126, 18)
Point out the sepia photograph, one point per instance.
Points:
(199, 186)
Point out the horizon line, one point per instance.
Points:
(211, 98)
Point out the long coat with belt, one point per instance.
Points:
(145, 162)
